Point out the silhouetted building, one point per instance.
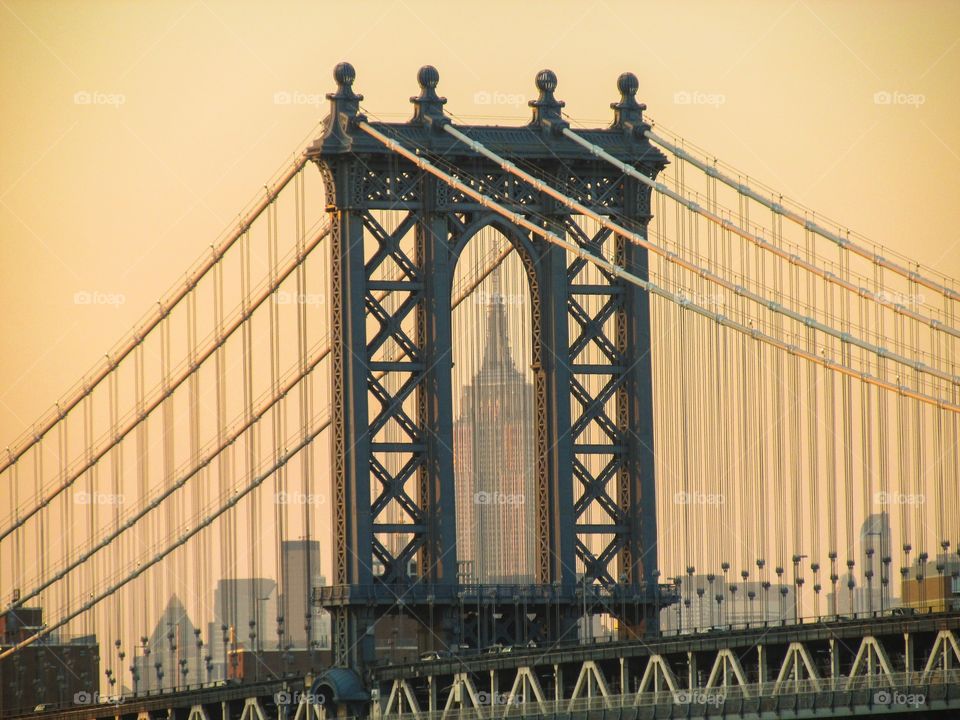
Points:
(494, 446)
(254, 666)
(306, 626)
(707, 601)
(867, 586)
(171, 658)
(236, 603)
(933, 585)
(875, 564)
(56, 671)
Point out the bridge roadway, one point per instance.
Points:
(767, 634)
(889, 665)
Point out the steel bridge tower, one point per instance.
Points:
(383, 567)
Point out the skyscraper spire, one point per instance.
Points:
(497, 358)
(494, 447)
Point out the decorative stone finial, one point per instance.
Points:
(428, 106)
(344, 75)
(546, 82)
(628, 84)
(344, 105)
(628, 113)
(428, 77)
(546, 108)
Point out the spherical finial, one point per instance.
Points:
(546, 81)
(428, 77)
(628, 84)
(628, 113)
(429, 105)
(344, 74)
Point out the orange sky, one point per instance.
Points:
(120, 194)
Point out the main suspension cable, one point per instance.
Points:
(621, 272)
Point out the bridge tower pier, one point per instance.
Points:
(397, 232)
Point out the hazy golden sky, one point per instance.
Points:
(133, 132)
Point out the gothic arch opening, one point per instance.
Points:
(494, 429)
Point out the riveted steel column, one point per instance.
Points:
(435, 399)
(556, 558)
(353, 550)
(556, 527)
(637, 486)
(436, 408)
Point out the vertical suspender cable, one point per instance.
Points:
(90, 571)
(116, 466)
(174, 509)
(280, 501)
(145, 531)
(199, 545)
(847, 411)
(249, 627)
(67, 545)
(43, 523)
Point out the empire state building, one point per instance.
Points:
(494, 445)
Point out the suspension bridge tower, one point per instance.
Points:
(397, 234)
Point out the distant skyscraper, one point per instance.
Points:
(874, 540)
(172, 649)
(306, 626)
(494, 461)
(750, 604)
(875, 545)
(236, 603)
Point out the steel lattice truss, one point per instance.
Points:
(398, 233)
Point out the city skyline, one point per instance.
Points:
(513, 351)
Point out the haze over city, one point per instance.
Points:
(657, 337)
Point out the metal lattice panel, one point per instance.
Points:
(398, 234)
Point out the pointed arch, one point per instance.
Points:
(526, 689)
(795, 662)
(252, 710)
(871, 656)
(591, 683)
(464, 694)
(727, 666)
(307, 710)
(198, 712)
(945, 651)
(400, 693)
(658, 669)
